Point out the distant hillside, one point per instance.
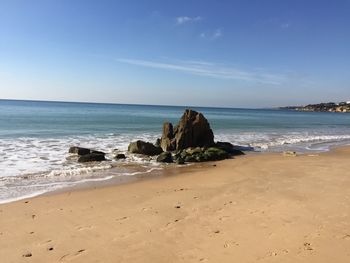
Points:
(322, 107)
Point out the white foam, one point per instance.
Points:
(267, 141)
(37, 155)
(21, 192)
(140, 172)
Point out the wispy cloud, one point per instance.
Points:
(217, 33)
(186, 19)
(207, 69)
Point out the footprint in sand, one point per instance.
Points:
(307, 246)
(230, 243)
(346, 237)
(121, 218)
(81, 228)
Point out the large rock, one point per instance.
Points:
(91, 157)
(168, 141)
(193, 130)
(145, 148)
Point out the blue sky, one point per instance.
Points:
(208, 53)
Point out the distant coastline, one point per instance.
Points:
(322, 107)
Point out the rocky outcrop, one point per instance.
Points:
(165, 157)
(193, 130)
(146, 148)
(229, 148)
(91, 157)
(201, 154)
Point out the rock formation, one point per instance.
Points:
(193, 130)
(192, 140)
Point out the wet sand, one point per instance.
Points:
(256, 208)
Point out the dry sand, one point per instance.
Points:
(260, 208)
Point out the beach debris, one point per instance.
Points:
(165, 157)
(146, 148)
(120, 156)
(92, 157)
(27, 255)
(289, 153)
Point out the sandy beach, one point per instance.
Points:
(255, 208)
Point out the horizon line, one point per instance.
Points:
(140, 104)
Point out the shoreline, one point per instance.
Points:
(110, 179)
(256, 208)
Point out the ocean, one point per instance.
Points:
(35, 137)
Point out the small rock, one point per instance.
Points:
(289, 153)
(120, 156)
(79, 150)
(91, 157)
(180, 161)
(157, 143)
(165, 157)
(83, 151)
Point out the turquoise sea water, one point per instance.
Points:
(35, 137)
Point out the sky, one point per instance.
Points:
(202, 53)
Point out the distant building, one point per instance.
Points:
(348, 102)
